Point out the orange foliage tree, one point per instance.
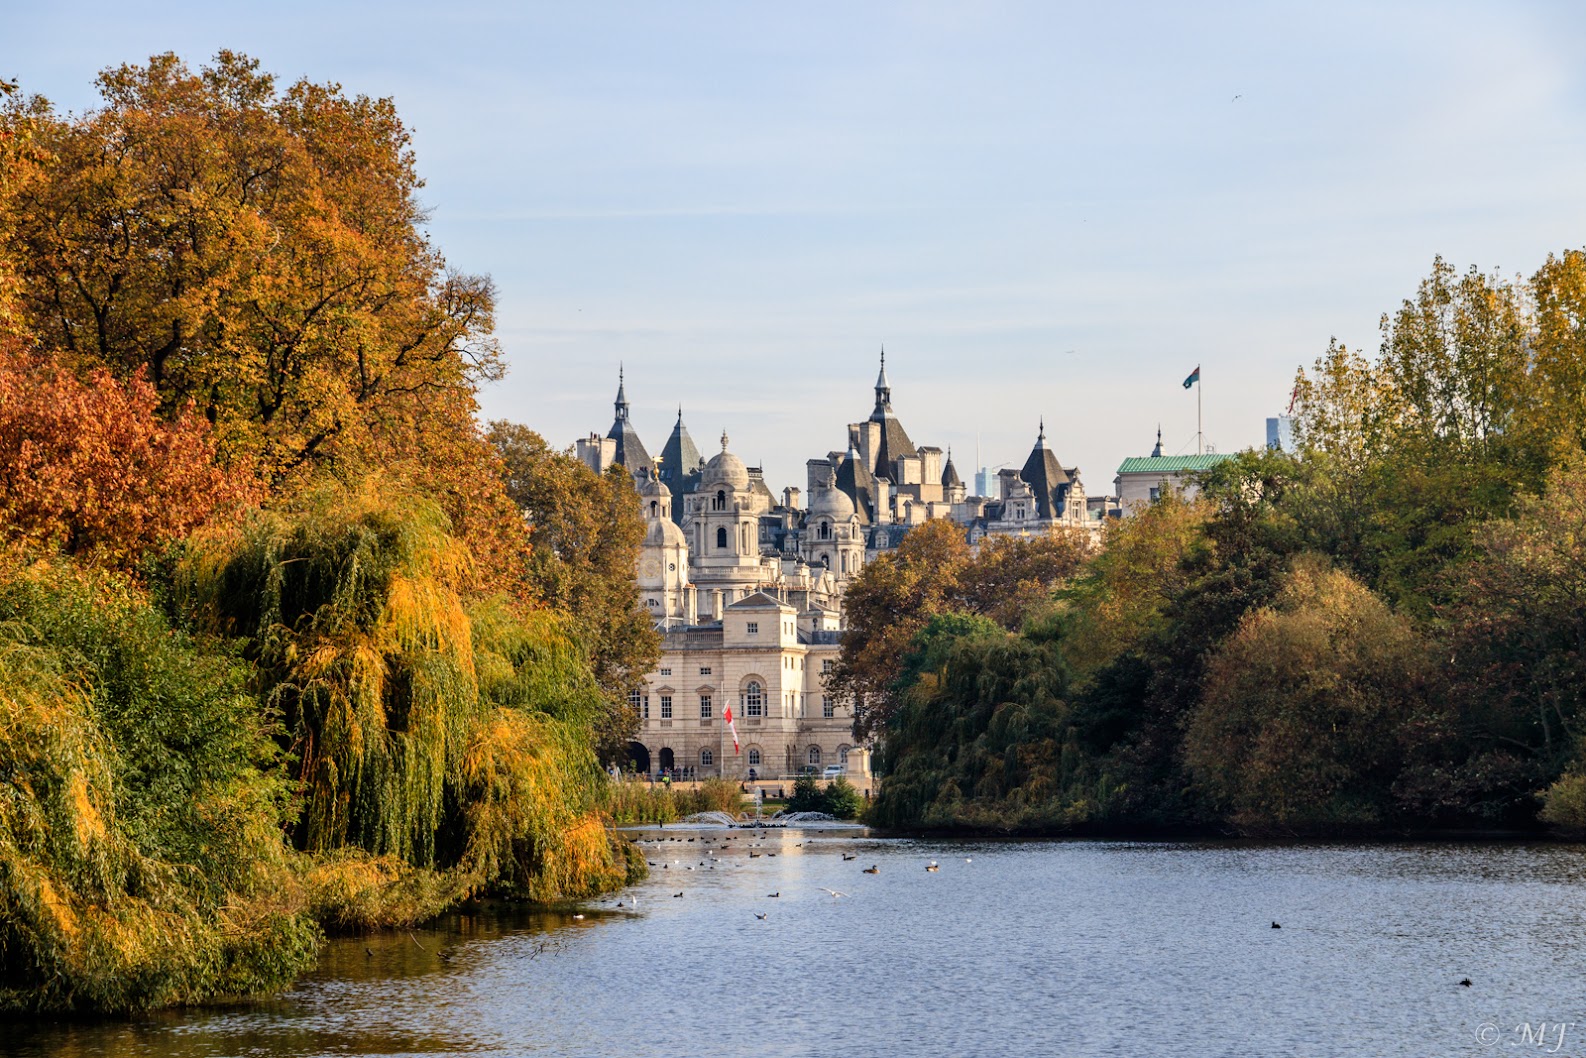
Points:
(88, 466)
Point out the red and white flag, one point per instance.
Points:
(726, 714)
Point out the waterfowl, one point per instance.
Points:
(1276, 926)
(759, 916)
(773, 896)
(932, 867)
(874, 868)
(677, 896)
(855, 856)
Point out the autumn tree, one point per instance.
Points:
(586, 530)
(254, 251)
(88, 467)
(1304, 711)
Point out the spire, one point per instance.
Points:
(1157, 451)
(1040, 440)
(622, 395)
(724, 440)
(883, 389)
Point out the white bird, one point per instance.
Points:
(835, 893)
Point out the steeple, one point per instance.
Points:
(1157, 451)
(1040, 438)
(622, 396)
(894, 441)
(630, 450)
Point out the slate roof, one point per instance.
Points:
(680, 466)
(1046, 478)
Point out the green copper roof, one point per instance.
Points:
(1170, 464)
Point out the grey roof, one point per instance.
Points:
(759, 601)
(854, 478)
(680, 465)
(950, 478)
(630, 450)
(1046, 478)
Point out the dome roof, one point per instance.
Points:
(663, 532)
(832, 503)
(725, 469)
(654, 488)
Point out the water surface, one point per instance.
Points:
(1010, 948)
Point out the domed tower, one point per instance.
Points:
(663, 559)
(722, 524)
(833, 536)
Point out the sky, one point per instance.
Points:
(1040, 209)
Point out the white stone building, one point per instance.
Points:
(747, 591)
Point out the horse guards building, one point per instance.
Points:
(746, 587)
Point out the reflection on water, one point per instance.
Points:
(1029, 948)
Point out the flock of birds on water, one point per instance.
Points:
(712, 860)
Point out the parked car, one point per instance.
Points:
(834, 771)
(808, 769)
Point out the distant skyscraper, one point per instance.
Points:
(984, 480)
(1280, 433)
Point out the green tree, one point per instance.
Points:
(586, 529)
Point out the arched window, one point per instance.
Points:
(754, 756)
(826, 530)
(845, 563)
(826, 561)
(753, 702)
(706, 758)
(721, 537)
(721, 499)
(842, 755)
(654, 506)
(815, 754)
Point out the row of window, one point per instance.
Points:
(753, 702)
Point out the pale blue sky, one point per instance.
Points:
(1040, 208)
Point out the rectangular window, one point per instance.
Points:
(1156, 494)
(754, 628)
(826, 666)
(704, 707)
(647, 707)
(666, 672)
(666, 707)
(828, 710)
(704, 670)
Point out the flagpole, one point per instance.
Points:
(1200, 438)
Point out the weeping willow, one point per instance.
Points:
(141, 859)
(442, 733)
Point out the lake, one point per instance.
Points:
(1064, 948)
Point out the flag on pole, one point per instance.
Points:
(726, 714)
(1195, 376)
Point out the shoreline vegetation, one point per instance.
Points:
(1379, 633)
(289, 645)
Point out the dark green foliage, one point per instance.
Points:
(839, 798)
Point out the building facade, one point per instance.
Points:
(747, 587)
